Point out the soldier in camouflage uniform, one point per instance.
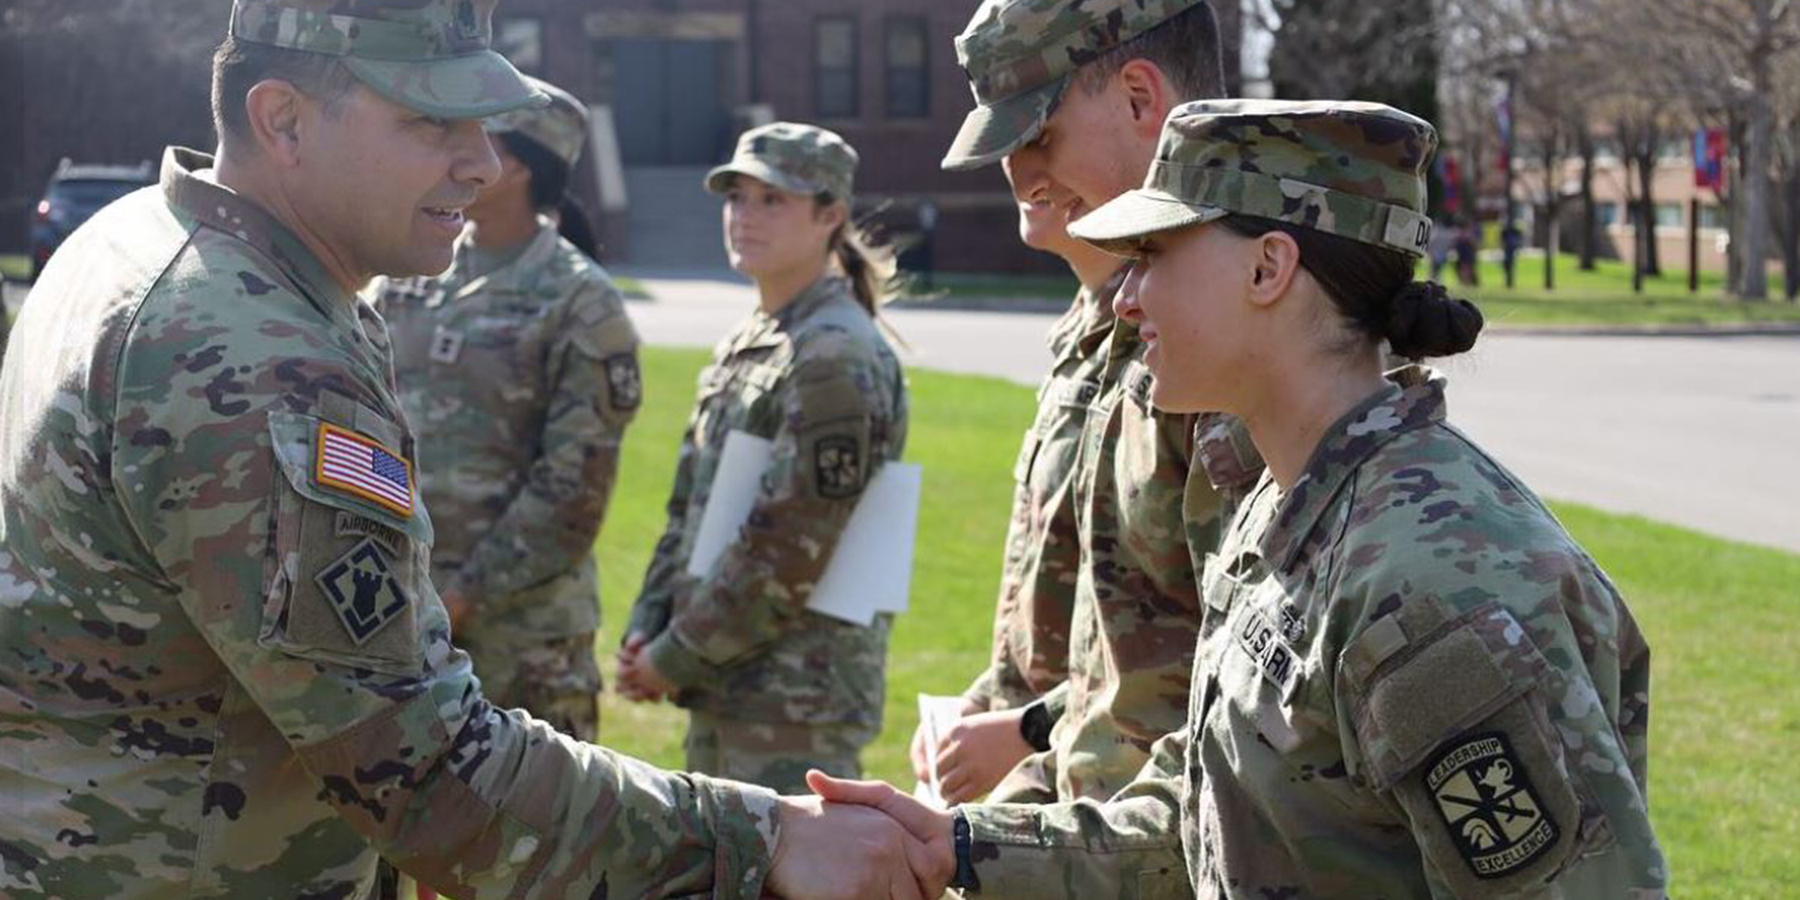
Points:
(773, 688)
(224, 671)
(1411, 682)
(1047, 73)
(518, 367)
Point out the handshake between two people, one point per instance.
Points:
(861, 840)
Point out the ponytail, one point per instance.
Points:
(576, 228)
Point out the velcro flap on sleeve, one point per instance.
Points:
(1438, 686)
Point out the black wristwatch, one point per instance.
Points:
(965, 879)
(1034, 726)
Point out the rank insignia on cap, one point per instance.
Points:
(446, 345)
(624, 384)
(1495, 818)
(838, 466)
(362, 590)
(363, 468)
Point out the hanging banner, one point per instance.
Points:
(1709, 159)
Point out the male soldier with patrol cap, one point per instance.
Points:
(519, 369)
(1071, 98)
(224, 670)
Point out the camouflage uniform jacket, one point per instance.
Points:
(1413, 683)
(1037, 577)
(520, 383)
(818, 380)
(1137, 604)
(223, 668)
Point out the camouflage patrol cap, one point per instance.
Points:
(432, 56)
(559, 126)
(805, 159)
(1019, 54)
(1356, 170)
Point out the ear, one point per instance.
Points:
(274, 109)
(1149, 97)
(835, 213)
(1275, 262)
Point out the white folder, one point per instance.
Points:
(869, 572)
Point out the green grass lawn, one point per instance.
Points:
(15, 266)
(1599, 297)
(1721, 618)
(1604, 297)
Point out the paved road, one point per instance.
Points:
(1701, 432)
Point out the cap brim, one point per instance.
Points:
(991, 131)
(472, 86)
(1117, 226)
(719, 178)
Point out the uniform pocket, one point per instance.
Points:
(352, 545)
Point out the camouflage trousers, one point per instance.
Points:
(555, 679)
(774, 755)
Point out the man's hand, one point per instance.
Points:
(832, 850)
(921, 754)
(931, 850)
(978, 752)
(637, 679)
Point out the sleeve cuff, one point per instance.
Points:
(746, 829)
(676, 663)
(1057, 701)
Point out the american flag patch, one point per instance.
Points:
(363, 468)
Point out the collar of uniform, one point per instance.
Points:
(532, 260)
(826, 289)
(1098, 321)
(1413, 399)
(217, 206)
(1226, 454)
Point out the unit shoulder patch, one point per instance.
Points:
(624, 382)
(838, 468)
(362, 589)
(1497, 822)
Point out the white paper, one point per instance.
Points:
(870, 571)
(936, 716)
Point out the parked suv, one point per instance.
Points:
(76, 192)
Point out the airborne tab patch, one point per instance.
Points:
(1496, 820)
(361, 467)
(362, 590)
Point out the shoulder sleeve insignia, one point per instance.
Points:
(1496, 820)
(361, 467)
(624, 383)
(362, 589)
(838, 466)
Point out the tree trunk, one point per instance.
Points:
(1790, 242)
(1552, 204)
(1590, 219)
(1646, 166)
(1756, 202)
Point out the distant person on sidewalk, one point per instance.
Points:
(1468, 245)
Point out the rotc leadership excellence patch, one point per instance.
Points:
(1496, 820)
(362, 590)
(363, 468)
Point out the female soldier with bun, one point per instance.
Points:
(773, 688)
(1411, 681)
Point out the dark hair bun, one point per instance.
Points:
(1424, 320)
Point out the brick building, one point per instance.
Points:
(674, 81)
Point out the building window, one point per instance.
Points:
(908, 82)
(834, 67)
(1668, 215)
(521, 41)
(1712, 216)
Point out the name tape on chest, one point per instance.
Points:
(349, 463)
(1268, 647)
